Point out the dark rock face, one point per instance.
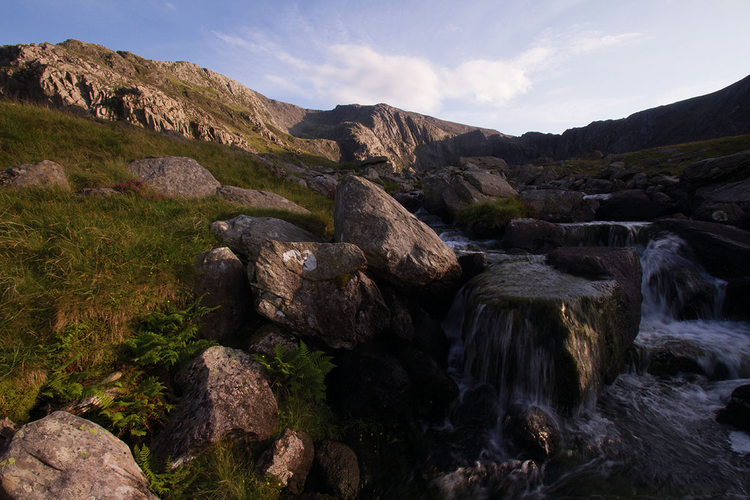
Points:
(226, 393)
(532, 235)
(399, 248)
(245, 234)
(339, 468)
(632, 205)
(259, 199)
(319, 290)
(175, 176)
(533, 430)
(222, 282)
(63, 457)
(289, 459)
(433, 387)
(737, 412)
(43, 174)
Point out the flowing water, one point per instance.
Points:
(647, 436)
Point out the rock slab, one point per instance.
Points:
(63, 457)
(259, 199)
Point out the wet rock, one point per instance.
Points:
(225, 393)
(245, 234)
(673, 358)
(319, 290)
(737, 412)
(477, 408)
(175, 176)
(472, 264)
(289, 459)
(339, 468)
(222, 283)
(44, 174)
(533, 430)
(399, 248)
(533, 331)
(532, 235)
(259, 199)
(64, 457)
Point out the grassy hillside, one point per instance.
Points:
(86, 269)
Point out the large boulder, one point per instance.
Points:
(245, 234)
(532, 235)
(447, 190)
(337, 464)
(399, 248)
(221, 282)
(632, 205)
(533, 331)
(620, 264)
(225, 393)
(319, 290)
(62, 457)
(43, 174)
(259, 199)
(714, 171)
(175, 176)
(289, 460)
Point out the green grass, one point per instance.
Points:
(98, 264)
(495, 214)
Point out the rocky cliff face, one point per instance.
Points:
(199, 103)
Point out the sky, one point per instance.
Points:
(513, 66)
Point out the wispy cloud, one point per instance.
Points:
(170, 6)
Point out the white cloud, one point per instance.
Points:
(594, 41)
(170, 6)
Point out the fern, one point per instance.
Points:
(300, 371)
(168, 484)
(141, 403)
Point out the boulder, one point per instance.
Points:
(175, 176)
(632, 205)
(289, 459)
(319, 290)
(472, 264)
(533, 331)
(225, 393)
(532, 235)
(259, 199)
(245, 234)
(323, 184)
(716, 170)
(737, 412)
(620, 264)
(339, 468)
(490, 184)
(399, 248)
(267, 337)
(722, 213)
(222, 283)
(533, 430)
(434, 389)
(558, 205)
(447, 191)
(63, 457)
(43, 174)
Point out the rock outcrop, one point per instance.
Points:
(319, 290)
(399, 248)
(289, 460)
(62, 456)
(175, 176)
(226, 393)
(43, 174)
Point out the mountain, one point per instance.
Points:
(183, 98)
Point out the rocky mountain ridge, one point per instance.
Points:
(196, 102)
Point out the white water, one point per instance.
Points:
(648, 437)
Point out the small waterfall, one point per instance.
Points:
(612, 234)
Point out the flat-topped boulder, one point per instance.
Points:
(245, 234)
(539, 334)
(175, 176)
(319, 290)
(259, 199)
(399, 248)
(62, 457)
(43, 174)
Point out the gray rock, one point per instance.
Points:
(490, 185)
(259, 199)
(340, 469)
(265, 340)
(221, 281)
(175, 176)
(319, 290)
(245, 234)
(399, 248)
(722, 213)
(225, 393)
(289, 460)
(446, 191)
(716, 170)
(533, 430)
(532, 235)
(64, 457)
(323, 184)
(533, 331)
(557, 205)
(43, 174)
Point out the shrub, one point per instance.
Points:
(494, 214)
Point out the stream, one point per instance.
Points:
(646, 436)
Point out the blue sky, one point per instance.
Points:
(514, 66)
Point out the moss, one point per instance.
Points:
(342, 280)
